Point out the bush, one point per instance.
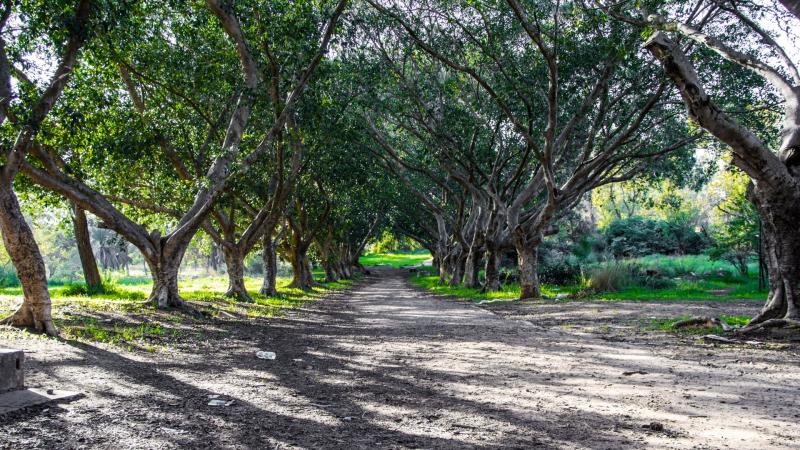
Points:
(561, 269)
(609, 277)
(654, 282)
(558, 261)
(614, 276)
(638, 237)
(72, 289)
(8, 277)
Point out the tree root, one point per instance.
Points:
(269, 293)
(749, 328)
(767, 324)
(239, 296)
(703, 322)
(25, 319)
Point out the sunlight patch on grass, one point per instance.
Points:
(121, 318)
(395, 259)
(508, 292)
(727, 288)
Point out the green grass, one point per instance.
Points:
(695, 277)
(717, 288)
(508, 292)
(666, 325)
(395, 259)
(712, 289)
(121, 318)
(676, 266)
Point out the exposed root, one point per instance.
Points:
(240, 296)
(767, 324)
(268, 292)
(23, 318)
(727, 340)
(175, 303)
(770, 312)
(702, 322)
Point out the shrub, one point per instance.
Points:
(8, 277)
(73, 289)
(609, 277)
(559, 268)
(654, 282)
(638, 237)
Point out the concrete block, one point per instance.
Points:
(16, 400)
(11, 366)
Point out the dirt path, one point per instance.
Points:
(387, 366)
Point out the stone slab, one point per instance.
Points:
(15, 400)
(11, 369)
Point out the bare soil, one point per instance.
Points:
(389, 366)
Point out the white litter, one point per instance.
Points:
(265, 355)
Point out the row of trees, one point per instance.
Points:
(165, 120)
(500, 116)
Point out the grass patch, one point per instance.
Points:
(395, 259)
(144, 336)
(508, 292)
(713, 287)
(666, 325)
(120, 317)
(677, 266)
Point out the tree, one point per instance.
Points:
(219, 155)
(774, 171)
(25, 119)
(589, 126)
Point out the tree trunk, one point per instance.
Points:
(445, 268)
(528, 272)
(24, 252)
(234, 261)
(94, 283)
(459, 263)
(472, 268)
(347, 272)
(330, 273)
(301, 270)
(164, 272)
(492, 282)
(270, 258)
(782, 251)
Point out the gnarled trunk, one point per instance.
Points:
(444, 267)
(80, 226)
(492, 282)
(24, 252)
(457, 276)
(301, 269)
(270, 258)
(330, 272)
(164, 271)
(472, 267)
(528, 272)
(782, 250)
(234, 262)
(345, 268)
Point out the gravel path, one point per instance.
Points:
(388, 366)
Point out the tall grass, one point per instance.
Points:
(691, 265)
(610, 277)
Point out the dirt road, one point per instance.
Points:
(388, 366)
